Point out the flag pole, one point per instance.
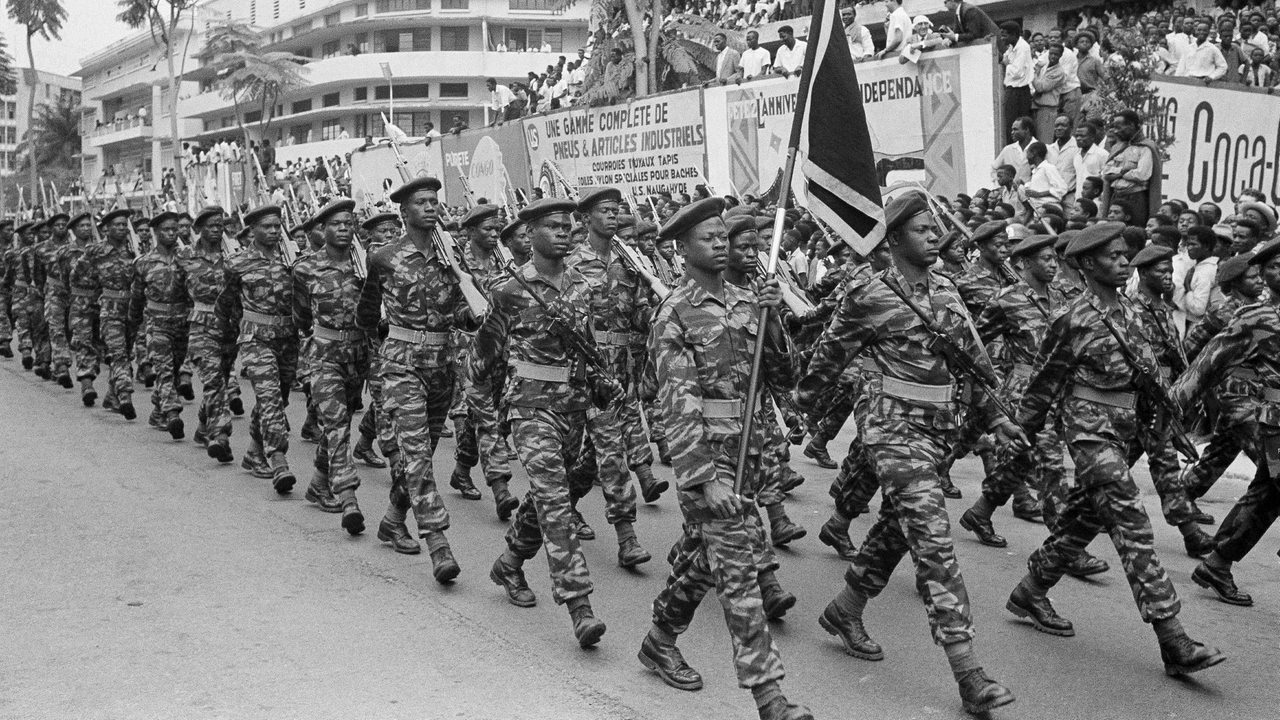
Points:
(775, 246)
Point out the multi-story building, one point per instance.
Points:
(125, 120)
(13, 108)
(438, 54)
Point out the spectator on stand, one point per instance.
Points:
(1047, 86)
(1046, 184)
(1063, 152)
(1179, 40)
(1089, 69)
(1090, 156)
(755, 60)
(1132, 170)
(728, 60)
(1018, 72)
(789, 57)
(861, 45)
(501, 100)
(1256, 73)
(972, 23)
(1231, 53)
(897, 29)
(1204, 60)
(1015, 153)
(1069, 98)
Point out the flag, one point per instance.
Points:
(831, 137)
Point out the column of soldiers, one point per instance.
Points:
(1036, 348)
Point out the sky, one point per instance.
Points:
(90, 26)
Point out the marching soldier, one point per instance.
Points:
(31, 275)
(255, 312)
(1082, 362)
(424, 305)
(56, 298)
(381, 229)
(83, 351)
(19, 286)
(159, 305)
(326, 290)
(203, 268)
(913, 411)
(702, 340)
(6, 289)
(515, 236)
(109, 268)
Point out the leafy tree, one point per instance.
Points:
(54, 140)
(43, 18)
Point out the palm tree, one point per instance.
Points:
(163, 18)
(43, 18)
(54, 141)
(8, 80)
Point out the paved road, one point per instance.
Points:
(143, 581)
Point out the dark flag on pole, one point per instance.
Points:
(830, 134)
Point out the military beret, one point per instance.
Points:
(545, 207)
(402, 193)
(644, 227)
(206, 214)
(1150, 255)
(690, 215)
(1232, 268)
(1265, 252)
(298, 229)
(161, 218)
(903, 208)
(479, 214)
(378, 219)
(141, 221)
(595, 196)
(1094, 237)
(738, 224)
(989, 230)
(24, 227)
(1064, 241)
(1268, 215)
(948, 240)
(625, 221)
(111, 216)
(261, 213)
(334, 207)
(56, 217)
(1032, 244)
(510, 229)
(738, 210)
(765, 223)
(77, 219)
(184, 215)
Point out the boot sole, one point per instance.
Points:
(646, 661)
(974, 709)
(1087, 573)
(592, 635)
(639, 560)
(1025, 614)
(284, 485)
(446, 573)
(784, 540)
(389, 538)
(831, 630)
(497, 580)
(1176, 670)
(1195, 578)
(314, 498)
(655, 491)
(778, 611)
(972, 527)
(353, 523)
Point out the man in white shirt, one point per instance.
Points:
(1179, 41)
(755, 59)
(1195, 291)
(789, 57)
(1012, 192)
(1062, 154)
(1069, 100)
(500, 100)
(861, 46)
(1046, 184)
(1015, 153)
(1204, 60)
(1019, 70)
(1090, 157)
(897, 29)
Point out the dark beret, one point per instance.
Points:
(141, 221)
(765, 223)
(595, 196)
(78, 219)
(378, 219)
(644, 227)
(111, 216)
(24, 227)
(545, 207)
(738, 224)
(1032, 245)
(261, 213)
(7, 222)
(989, 230)
(1265, 252)
(207, 214)
(903, 208)
(690, 215)
(625, 221)
(1094, 237)
(479, 214)
(161, 218)
(403, 192)
(1150, 255)
(948, 240)
(184, 215)
(334, 207)
(56, 217)
(510, 229)
(297, 229)
(1232, 268)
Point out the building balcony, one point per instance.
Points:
(121, 131)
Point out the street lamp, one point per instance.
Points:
(391, 89)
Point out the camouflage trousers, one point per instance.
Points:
(117, 342)
(166, 351)
(634, 438)
(774, 458)
(374, 424)
(1040, 467)
(1256, 511)
(546, 443)
(1162, 460)
(725, 555)
(21, 322)
(6, 319)
(417, 401)
(211, 363)
(602, 457)
(37, 328)
(480, 443)
(657, 432)
(85, 340)
(855, 484)
(1105, 498)
(913, 518)
(837, 413)
(56, 315)
(1237, 422)
(271, 365)
(336, 387)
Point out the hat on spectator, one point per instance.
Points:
(690, 216)
(1268, 215)
(402, 193)
(479, 214)
(1150, 255)
(1223, 231)
(1094, 237)
(595, 196)
(544, 207)
(1233, 268)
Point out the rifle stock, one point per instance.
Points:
(631, 259)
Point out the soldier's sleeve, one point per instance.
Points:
(488, 359)
(302, 318)
(1224, 351)
(853, 328)
(228, 310)
(778, 365)
(993, 321)
(1049, 375)
(369, 307)
(137, 292)
(463, 319)
(680, 401)
(1200, 333)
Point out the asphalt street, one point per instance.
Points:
(142, 580)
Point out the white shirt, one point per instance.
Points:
(1178, 44)
(1195, 302)
(860, 44)
(1088, 164)
(897, 30)
(1015, 155)
(754, 62)
(1064, 159)
(1203, 61)
(790, 59)
(500, 97)
(1019, 66)
(799, 263)
(1069, 63)
(1046, 177)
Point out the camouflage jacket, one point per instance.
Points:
(30, 270)
(325, 294)
(1213, 322)
(1070, 287)
(701, 349)
(255, 281)
(1022, 318)
(157, 278)
(619, 303)
(65, 261)
(519, 333)
(488, 273)
(45, 268)
(8, 266)
(1160, 331)
(109, 268)
(873, 320)
(978, 285)
(1251, 341)
(204, 273)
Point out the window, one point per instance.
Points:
(362, 94)
(330, 49)
(554, 38)
(545, 5)
(331, 130)
(332, 19)
(330, 100)
(390, 6)
(303, 52)
(454, 4)
(300, 133)
(414, 90)
(454, 90)
(455, 39)
(362, 42)
(517, 39)
(301, 28)
(413, 123)
(362, 9)
(364, 124)
(300, 107)
(421, 39)
(11, 135)
(252, 117)
(388, 41)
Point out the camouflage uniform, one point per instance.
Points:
(82, 312)
(1235, 420)
(913, 411)
(109, 267)
(546, 401)
(208, 352)
(1081, 363)
(56, 302)
(255, 311)
(478, 442)
(31, 270)
(325, 295)
(160, 304)
(19, 286)
(423, 306)
(700, 350)
(374, 423)
(8, 269)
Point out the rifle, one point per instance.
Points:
(796, 302)
(631, 259)
(466, 189)
(1148, 383)
(570, 191)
